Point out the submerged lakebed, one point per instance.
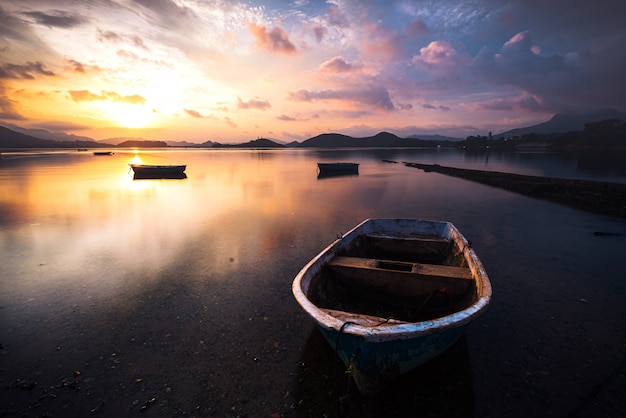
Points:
(173, 297)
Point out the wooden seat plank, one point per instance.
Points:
(419, 269)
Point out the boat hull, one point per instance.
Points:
(337, 169)
(374, 365)
(379, 349)
(158, 171)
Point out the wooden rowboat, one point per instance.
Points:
(391, 294)
(145, 171)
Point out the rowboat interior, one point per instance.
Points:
(380, 278)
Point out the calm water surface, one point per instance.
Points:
(173, 297)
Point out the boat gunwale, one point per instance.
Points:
(394, 331)
(158, 167)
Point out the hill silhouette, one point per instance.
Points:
(565, 122)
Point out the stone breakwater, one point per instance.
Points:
(603, 198)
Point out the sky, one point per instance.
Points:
(232, 71)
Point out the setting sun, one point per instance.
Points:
(129, 115)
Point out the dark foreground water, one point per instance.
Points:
(173, 297)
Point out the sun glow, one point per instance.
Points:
(129, 115)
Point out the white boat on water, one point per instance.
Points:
(391, 294)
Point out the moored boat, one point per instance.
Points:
(103, 153)
(338, 168)
(146, 171)
(391, 294)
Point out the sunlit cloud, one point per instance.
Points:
(193, 113)
(275, 39)
(259, 104)
(8, 109)
(339, 65)
(87, 96)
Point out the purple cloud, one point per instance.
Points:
(374, 96)
(24, 71)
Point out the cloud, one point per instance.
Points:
(7, 107)
(338, 64)
(57, 18)
(522, 102)
(416, 28)
(82, 68)
(260, 104)
(116, 38)
(286, 118)
(337, 18)
(275, 40)
(193, 113)
(25, 71)
(382, 42)
(437, 53)
(319, 32)
(87, 96)
(375, 96)
(170, 15)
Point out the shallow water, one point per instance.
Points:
(114, 292)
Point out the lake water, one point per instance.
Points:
(173, 297)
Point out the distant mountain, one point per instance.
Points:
(257, 143)
(142, 144)
(565, 122)
(185, 144)
(118, 140)
(437, 137)
(380, 140)
(12, 139)
(52, 136)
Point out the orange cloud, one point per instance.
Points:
(193, 113)
(87, 96)
(275, 40)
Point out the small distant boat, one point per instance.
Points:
(391, 294)
(103, 153)
(145, 171)
(337, 169)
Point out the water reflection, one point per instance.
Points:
(186, 284)
(440, 388)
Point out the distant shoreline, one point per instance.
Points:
(603, 198)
